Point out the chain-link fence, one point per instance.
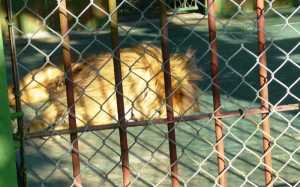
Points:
(161, 98)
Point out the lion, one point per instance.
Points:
(43, 91)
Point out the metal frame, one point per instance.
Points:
(264, 93)
(170, 121)
(168, 94)
(119, 91)
(216, 93)
(67, 60)
(240, 113)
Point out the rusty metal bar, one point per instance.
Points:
(67, 59)
(264, 93)
(16, 90)
(216, 94)
(229, 114)
(168, 94)
(119, 92)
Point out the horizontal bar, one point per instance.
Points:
(161, 121)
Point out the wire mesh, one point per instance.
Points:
(219, 131)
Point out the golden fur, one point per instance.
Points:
(43, 90)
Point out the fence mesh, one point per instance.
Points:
(229, 129)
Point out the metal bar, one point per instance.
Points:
(229, 114)
(8, 173)
(216, 94)
(168, 94)
(67, 60)
(119, 92)
(264, 93)
(16, 90)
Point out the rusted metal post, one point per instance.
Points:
(216, 93)
(264, 93)
(67, 59)
(168, 94)
(119, 92)
(16, 90)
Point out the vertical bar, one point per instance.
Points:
(16, 90)
(119, 91)
(8, 171)
(168, 94)
(63, 18)
(264, 94)
(216, 93)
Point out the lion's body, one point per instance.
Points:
(94, 89)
